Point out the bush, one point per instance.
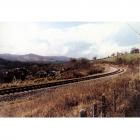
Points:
(95, 70)
(121, 60)
(70, 102)
(78, 74)
(84, 62)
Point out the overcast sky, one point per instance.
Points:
(72, 39)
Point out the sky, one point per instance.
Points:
(71, 39)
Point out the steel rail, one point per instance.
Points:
(57, 83)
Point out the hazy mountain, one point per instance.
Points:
(33, 58)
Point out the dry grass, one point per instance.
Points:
(20, 83)
(72, 73)
(67, 101)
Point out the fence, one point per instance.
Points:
(108, 108)
(96, 111)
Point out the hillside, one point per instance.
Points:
(126, 57)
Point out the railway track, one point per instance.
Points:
(58, 83)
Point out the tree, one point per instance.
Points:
(94, 58)
(113, 54)
(84, 62)
(73, 60)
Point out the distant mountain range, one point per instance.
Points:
(34, 58)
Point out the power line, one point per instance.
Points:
(138, 33)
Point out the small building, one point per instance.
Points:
(135, 50)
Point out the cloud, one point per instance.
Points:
(72, 39)
(126, 36)
(78, 48)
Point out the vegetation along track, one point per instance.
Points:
(58, 83)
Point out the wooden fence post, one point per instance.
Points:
(125, 87)
(103, 106)
(94, 110)
(114, 101)
(83, 113)
(125, 113)
(137, 84)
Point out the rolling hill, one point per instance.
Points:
(34, 58)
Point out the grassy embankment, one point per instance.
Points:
(126, 58)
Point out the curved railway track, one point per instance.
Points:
(58, 83)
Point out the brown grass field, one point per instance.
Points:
(68, 100)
